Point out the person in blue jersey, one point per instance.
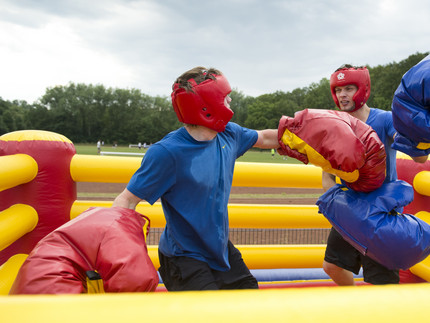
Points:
(191, 171)
(350, 88)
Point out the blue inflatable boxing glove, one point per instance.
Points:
(371, 222)
(411, 111)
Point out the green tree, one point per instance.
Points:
(87, 113)
(12, 116)
(386, 78)
(318, 96)
(266, 110)
(40, 118)
(239, 104)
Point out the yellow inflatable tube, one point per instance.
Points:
(103, 169)
(395, 303)
(276, 175)
(108, 169)
(271, 256)
(8, 272)
(421, 183)
(15, 222)
(16, 169)
(240, 215)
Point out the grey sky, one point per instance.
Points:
(261, 46)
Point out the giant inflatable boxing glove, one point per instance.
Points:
(338, 143)
(101, 250)
(373, 224)
(411, 111)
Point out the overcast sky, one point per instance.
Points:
(262, 46)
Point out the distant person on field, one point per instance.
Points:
(98, 147)
(191, 170)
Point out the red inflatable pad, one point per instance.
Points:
(51, 193)
(407, 169)
(109, 241)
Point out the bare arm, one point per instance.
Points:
(328, 180)
(420, 159)
(267, 139)
(127, 200)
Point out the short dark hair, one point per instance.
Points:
(348, 66)
(199, 74)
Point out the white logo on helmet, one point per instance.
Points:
(340, 76)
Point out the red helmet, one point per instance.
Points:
(203, 106)
(359, 76)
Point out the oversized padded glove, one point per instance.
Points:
(411, 111)
(410, 147)
(105, 243)
(338, 143)
(373, 224)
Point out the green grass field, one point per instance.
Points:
(253, 155)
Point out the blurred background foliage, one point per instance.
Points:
(86, 113)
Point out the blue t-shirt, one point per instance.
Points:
(382, 122)
(193, 179)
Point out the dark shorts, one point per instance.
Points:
(184, 273)
(340, 253)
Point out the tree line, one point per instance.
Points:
(87, 113)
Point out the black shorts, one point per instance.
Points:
(340, 253)
(184, 273)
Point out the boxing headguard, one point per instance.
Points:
(359, 76)
(204, 105)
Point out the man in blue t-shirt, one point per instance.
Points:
(350, 87)
(191, 171)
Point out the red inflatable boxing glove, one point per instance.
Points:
(338, 143)
(102, 250)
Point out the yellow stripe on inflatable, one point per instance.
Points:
(103, 169)
(401, 155)
(423, 145)
(16, 221)
(240, 215)
(266, 216)
(271, 256)
(145, 229)
(114, 169)
(8, 272)
(423, 215)
(283, 256)
(421, 183)
(294, 142)
(394, 303)
(27, 135)
(276, 175)
(422, 269)
(94, 283)
(16, 170)
(95, 286)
